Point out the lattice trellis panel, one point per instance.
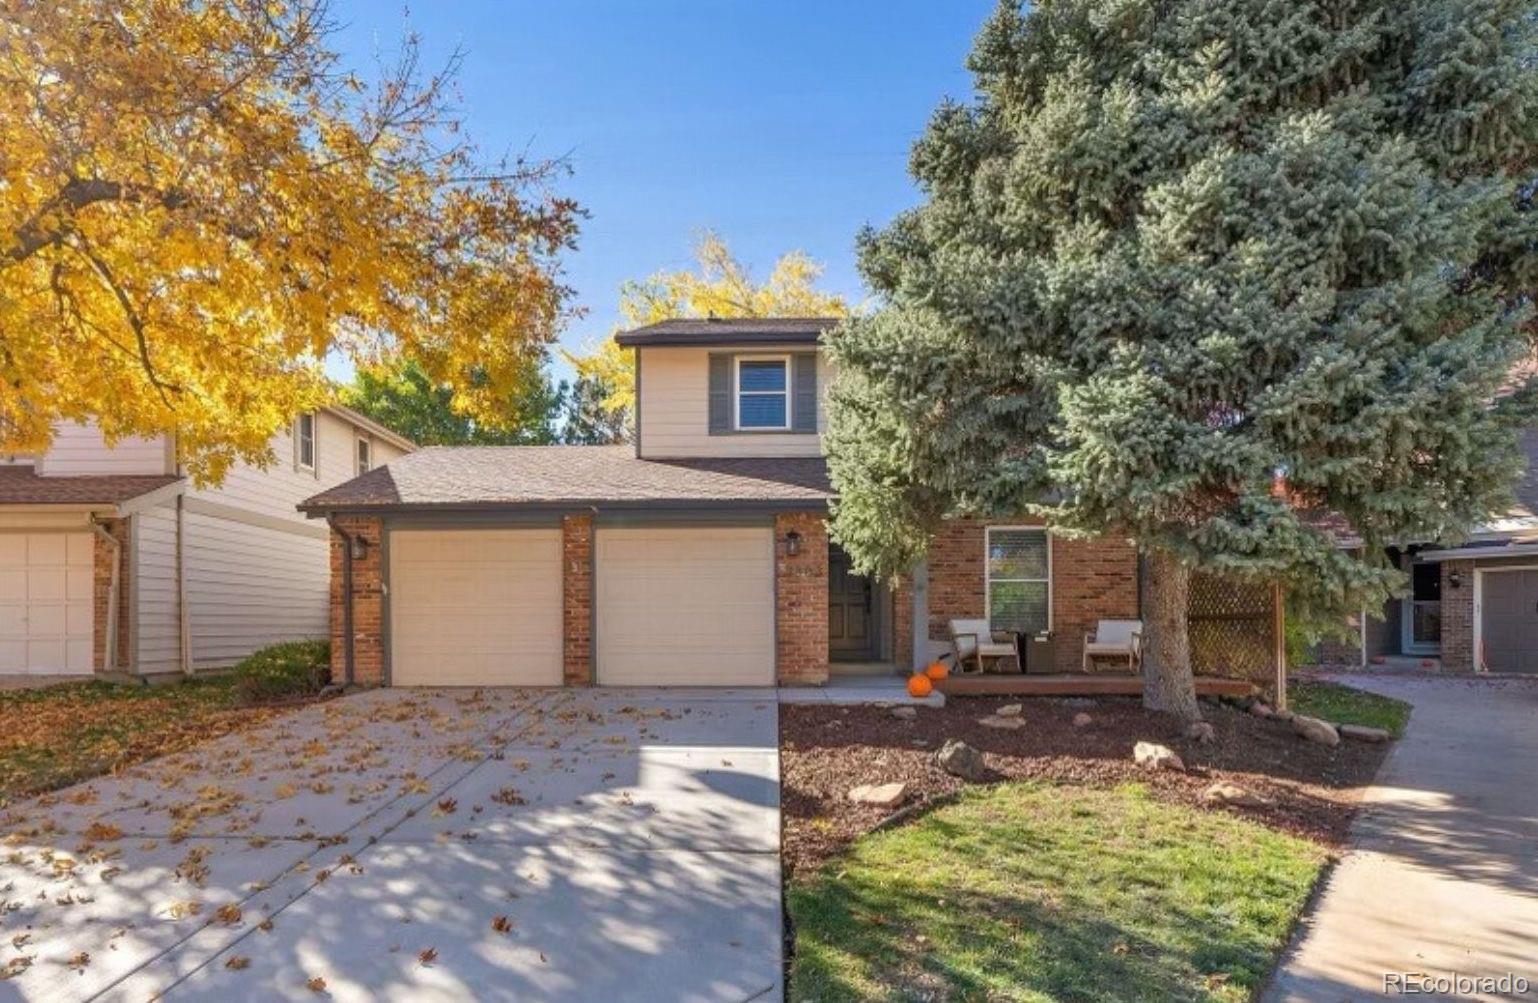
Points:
(1233, 629)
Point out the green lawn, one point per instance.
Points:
(1027, 891)
(1345, 705)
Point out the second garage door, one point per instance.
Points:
(475, 607)
(685, 606)
(46, 610)
(1509, 620)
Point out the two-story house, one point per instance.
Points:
(110, 559)
(698, 555)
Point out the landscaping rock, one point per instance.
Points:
(1364, 733)
(879, 795)
(1315, 730)
(1262, 709)
(905, 713)
(1152, 756)
(961, 760)
(1082, 720)
(1283, 714)
(1007, 723)
(1224, 793)
(1201, 733)
(1009, 710)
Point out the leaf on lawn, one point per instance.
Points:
(237, 962)
(502, 924)
(102, 832)
(427, 955)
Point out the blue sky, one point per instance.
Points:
(780, 124)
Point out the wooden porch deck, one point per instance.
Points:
(1076, 685)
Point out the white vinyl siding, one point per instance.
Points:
(1018, 565)
(46, 608)
(475, 607)
(685, 606)
(250, 586)
(674, 414)
(79, 449)
(152, 557)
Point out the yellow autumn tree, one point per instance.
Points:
(718, 286)
(198, 205)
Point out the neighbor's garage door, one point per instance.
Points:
(475, 607)
(46, 613)
(685, 606)
(1508, 626)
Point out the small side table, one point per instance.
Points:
(1023, 645)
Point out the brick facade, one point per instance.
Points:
(801, 599)
(1458, 617)
(368, 603)
(101, 590)
(1091, 580)
(902, 622)
(577, 600)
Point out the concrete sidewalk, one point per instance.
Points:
(1442, 877)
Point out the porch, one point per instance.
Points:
(1077, 685)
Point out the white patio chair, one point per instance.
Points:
(1120, 639)
(973, 640)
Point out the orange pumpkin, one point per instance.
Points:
(936, 671)
(919, 685)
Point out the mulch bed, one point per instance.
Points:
(826, 750)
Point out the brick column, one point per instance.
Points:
(903, 655)
(368, 603)
(1458, 654)
(801, 600)
(577, 599)
(101, 588)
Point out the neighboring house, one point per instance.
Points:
(698, 555)
(111, 559)
(1473, 606)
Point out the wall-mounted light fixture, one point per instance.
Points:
(1455, 578)
(359, 548)
(792, 543)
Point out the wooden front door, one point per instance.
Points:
(849, 610)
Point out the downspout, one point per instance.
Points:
(110, 652)
(347, 641)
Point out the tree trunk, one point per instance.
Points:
(1167, 681)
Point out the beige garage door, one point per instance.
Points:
(685, 607)
(46, 612)
(477, 607)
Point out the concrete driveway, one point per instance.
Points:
(1442, 877)
(418, 845)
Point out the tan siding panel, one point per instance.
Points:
(685, 606)
(674, 418)
(79, 449)
(475, 607)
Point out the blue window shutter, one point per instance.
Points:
(720, 394)
(804, 388)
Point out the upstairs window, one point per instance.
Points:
(1019, 579)
(365, 456)
(763, 393)
(304, 442)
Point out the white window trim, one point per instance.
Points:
(299, 463)
(737, 361)
(367, 444)
(988, 577)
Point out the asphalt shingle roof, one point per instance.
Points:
(21, 485)
(542, 476)
(729, 331)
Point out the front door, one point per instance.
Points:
(1422, 622)
(849, 610)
